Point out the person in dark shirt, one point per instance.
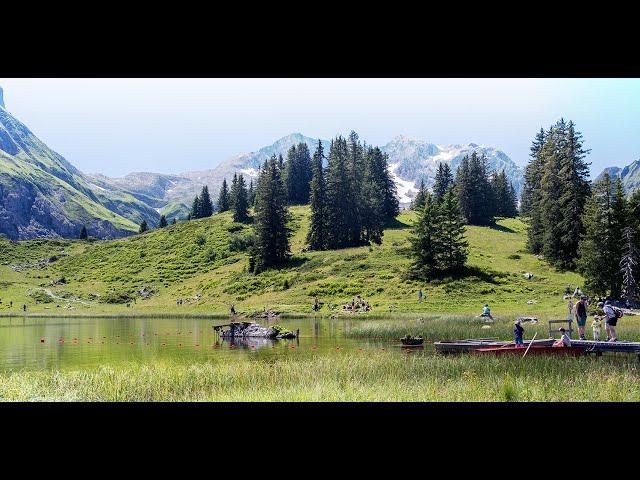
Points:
(518, 332)
(581, 315)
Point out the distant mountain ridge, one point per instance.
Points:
(44, 195)
(630, 175)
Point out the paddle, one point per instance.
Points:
(530, 343)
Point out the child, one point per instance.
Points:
(564, 341)
(486, 311)
(596, 324)
(518, 331)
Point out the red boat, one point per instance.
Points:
(533, 350)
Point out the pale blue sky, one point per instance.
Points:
(116, 126)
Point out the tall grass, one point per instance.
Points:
(343, 376)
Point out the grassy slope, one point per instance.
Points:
(192, 260)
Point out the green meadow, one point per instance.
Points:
(204, 263)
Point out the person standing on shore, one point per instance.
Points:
(570, 307)
(420, 296)
(611, 321)
(581, 315)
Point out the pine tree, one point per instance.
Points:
(83, 233)
(240, 201)
(443, 180)
(205, 207)
(174, 221)
(298, 174)
(143, 227)
(223, 197)
(233, 193)
(426, 240)
(251, 195)
(629, 266)
(163, 222)
(317, 236)
(372, 196)
(195, 208)
(504, 195)
(550, 211)
(355, 172)
(418, 201)
(600, 246)
(452, 254)
(474, 190)
(573, 174)
(271, 247)
(338, 206)
(533, 174)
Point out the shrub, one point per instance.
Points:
(241, 243)
(117, 297)
(201, 240)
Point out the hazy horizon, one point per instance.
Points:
(119, 126)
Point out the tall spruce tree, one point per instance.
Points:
(452, 252)
(443, 180)
(574, 178)
(298, 174)
(506, 204)
(317, 236)
(163, 222)
(372, 196)
(240, 201)
(205, 206)
(355, 172)
(474, 190)
(425, 240)
(83, 233)
(419, 199)
(549, 207)
(271, 246)
(533, 175)
(600, 248)
(251, 194)
(339, 196)
(223, 197)
(143, 227)
(629, 266)
(195, 208)
(233, 192)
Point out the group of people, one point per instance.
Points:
(605, 311)
(358, 304)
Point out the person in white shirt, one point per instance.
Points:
(611, 321)
(564, 340)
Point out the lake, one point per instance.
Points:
(28, 343)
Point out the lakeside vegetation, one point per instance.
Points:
(341, 376)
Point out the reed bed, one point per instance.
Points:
(343, 376)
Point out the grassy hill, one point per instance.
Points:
(203, 262)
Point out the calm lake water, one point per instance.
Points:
(72, 343)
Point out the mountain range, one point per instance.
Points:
(43, 195)
(630, 175)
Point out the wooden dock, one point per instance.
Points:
(600, 347)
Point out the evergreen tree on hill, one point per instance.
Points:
(298, 173)
(418, 201)
(426, 240)
(223, 197)
(474, 190)
(317, 236)
(240, 202)
(532, 176)
(143, 227)
(443, 180)
(233, 193)
(83, 233)
(355, 173)
(339, 204)
(251, 195)
(452, 252)
(205, 207)
(163, 222)
(271, 247)
(195, 209)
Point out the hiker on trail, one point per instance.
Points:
(233, 310)
(24, 307)
(564, 340)
(486, 311)
(612, 315)
(316, 305)
(518, 332)
(581, 315)
(595, 325)
(570, 307)
(420, 295)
